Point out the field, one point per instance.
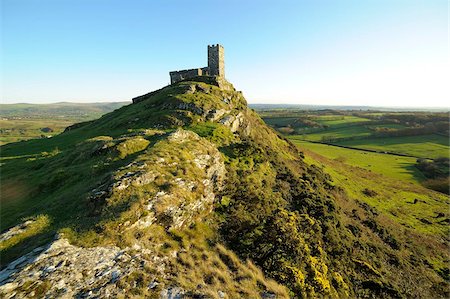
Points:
(404, 202)
(338, 132)
(386, 143)
(396, 167)
(423, 146)
(30, 121)
(13, 130)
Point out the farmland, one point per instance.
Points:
(30, 121)
(386, 143)
(401, 168)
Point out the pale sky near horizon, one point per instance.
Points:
(327, 52)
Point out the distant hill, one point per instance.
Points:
(259, 107)
(58, 110)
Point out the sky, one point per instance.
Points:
(319, 52)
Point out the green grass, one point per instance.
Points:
(24, 121)
(339, 132)
(396, 167)
(389, 126)
(13, 130)
(339, 120)
(394, 197)
(424, 146)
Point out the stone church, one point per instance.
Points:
(216, 66)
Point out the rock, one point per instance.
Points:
(92, 271)
(172, 293)
(268, 295)
(16, 230)
(181, 135)
(213, 115)
(153, 285)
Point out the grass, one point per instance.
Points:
(424, 146)
(69, 177)
(13, 130)
(38, 225)
(338, 132)
(25, 121)
(396, 167)
(405, 203)
(339, 120)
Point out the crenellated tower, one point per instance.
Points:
(216, 60)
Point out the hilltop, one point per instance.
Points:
(187, 192)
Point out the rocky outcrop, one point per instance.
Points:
(64, 270)
(187, 197)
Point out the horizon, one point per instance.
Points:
(337, 107)
(383, 54)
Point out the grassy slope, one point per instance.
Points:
(411, 205)
(400, 168)
(395, 197)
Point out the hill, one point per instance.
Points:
(187, 192)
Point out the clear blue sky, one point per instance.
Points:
(340, 52)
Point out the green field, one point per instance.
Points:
(396, 167)
(425, 146)
(398, 139)
(26, 121)
(13, 130)
(339, 120)
(404, 202)
(339, 132)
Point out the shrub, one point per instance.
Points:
(439, 184)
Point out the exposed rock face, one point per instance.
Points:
(187, 197)
(64, 270)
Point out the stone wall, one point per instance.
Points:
(216, 66)
(185, 74)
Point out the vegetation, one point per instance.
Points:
(437, 172)
(395, 167)
(29, 121)
(319, 227)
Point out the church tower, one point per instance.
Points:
(216, 60)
